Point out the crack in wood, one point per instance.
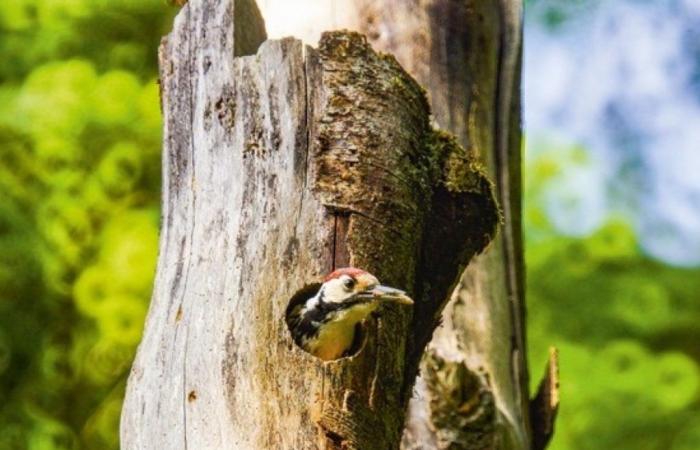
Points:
(341, 252)
(306, 146)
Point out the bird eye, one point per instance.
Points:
(349, 283)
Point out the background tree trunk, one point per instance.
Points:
(467, 55)
(278, 167)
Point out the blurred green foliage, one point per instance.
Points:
(626, 327)
(79, 198)
(79, 192)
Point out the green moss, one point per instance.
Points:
(452, 164)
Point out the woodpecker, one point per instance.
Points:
(327, 324)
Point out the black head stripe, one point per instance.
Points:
(324, 309)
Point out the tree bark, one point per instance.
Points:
(280, 165)
(467, 55)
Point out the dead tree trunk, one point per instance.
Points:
(278, 167)
(473, 392)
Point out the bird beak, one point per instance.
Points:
(387, 293)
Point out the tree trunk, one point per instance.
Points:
(278, 167)
(467, 54)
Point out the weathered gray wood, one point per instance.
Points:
(467, 56)
(278, 167)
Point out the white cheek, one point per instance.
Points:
(335, 292)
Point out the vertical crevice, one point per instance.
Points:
(341, 254)
(335, 241)
(305, 141)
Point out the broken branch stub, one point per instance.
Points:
(544, 407)
(278, 167)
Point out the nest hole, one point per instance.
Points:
(306, 330)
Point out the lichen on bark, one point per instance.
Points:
(462, 409)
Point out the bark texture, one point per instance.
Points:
(278, 167)
(467, 55)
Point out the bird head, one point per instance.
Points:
(354, 286)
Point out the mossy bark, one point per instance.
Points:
(278, 167)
